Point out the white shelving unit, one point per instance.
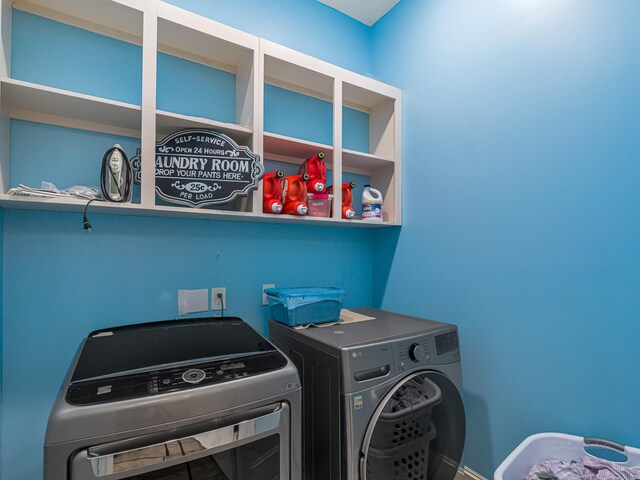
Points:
(162, 28)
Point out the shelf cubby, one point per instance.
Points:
(62, 106)
(224, 55)
(205, 79)
(380, 160)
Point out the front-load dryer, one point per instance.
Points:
(364, 387)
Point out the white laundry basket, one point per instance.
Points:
(556, 446)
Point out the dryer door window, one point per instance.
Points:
(417, 431)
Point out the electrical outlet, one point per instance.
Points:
(265, 301)
(217, 303)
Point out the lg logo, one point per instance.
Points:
(356, 354)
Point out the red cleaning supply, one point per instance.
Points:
(347, 199)
(272, 192)
(317, 171)
(294, 194)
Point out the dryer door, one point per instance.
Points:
(417, 432)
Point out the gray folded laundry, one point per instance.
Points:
(587, 468)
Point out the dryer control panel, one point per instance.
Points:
(436, 349)
(369, 364)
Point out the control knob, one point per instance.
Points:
(194, 375)
(416, 352)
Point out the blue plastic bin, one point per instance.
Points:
(305, 305)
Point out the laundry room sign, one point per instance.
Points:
(199, 167)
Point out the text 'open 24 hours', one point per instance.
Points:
(200, 167)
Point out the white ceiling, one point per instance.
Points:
(366, 11)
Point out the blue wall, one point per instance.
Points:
(355, 126)
(60, 283)
(194, 89)
(521, 194)
(297, 115)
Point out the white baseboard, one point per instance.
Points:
(466, 473)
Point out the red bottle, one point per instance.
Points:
(272, 192)
(294, 194)
(347, 199)
(317, 170)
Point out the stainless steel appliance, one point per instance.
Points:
(352, 375)
(184, 399)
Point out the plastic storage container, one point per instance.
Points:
(557, 446)
(301, 306)
(410, 460)
(411, 423)
(319, 204)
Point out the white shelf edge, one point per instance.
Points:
(298, 141)
(69, 93)
(206, 26)
(99, 207)
(64, 106)
(92, 22)
(367, 156)
(201, 122)
(195, 58)
(281, 148)
(274, 157)
(276, 82)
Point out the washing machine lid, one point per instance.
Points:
(142, 347)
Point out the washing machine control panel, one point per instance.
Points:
(144, 384)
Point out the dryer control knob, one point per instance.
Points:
(416, 352)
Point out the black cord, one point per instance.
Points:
(221, 304)
(106, 171)
(86, 225)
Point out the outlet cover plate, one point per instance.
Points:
(192, 301)
(265, 301)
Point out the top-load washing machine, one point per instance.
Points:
(381, 397)
(176, 400)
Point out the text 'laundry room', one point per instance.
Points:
(319, 240)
